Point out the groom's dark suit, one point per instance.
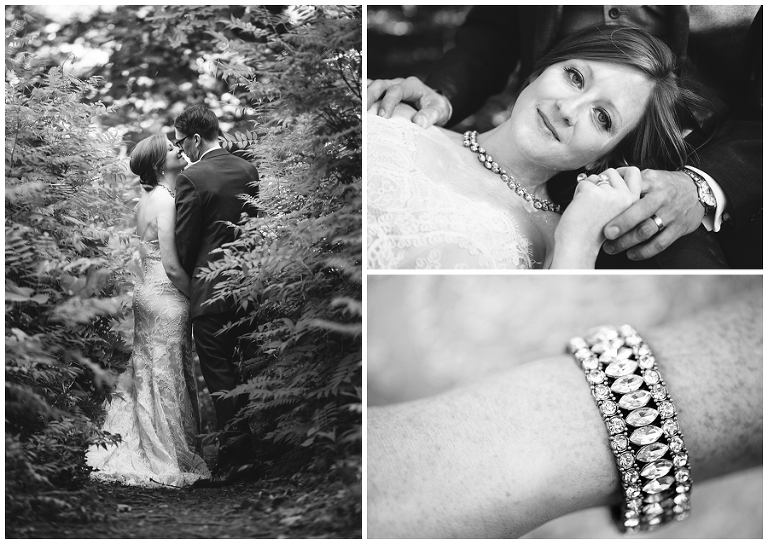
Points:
(207, 197)
(723, 55)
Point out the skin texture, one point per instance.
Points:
(506, 454)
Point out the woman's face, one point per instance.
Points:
(577, 111)
(174, 159)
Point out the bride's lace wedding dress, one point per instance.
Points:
(154, 406)
(425, 209)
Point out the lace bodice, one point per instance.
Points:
(425, 209)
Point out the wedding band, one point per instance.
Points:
(581, 177)
(659, 222)
(653, 463)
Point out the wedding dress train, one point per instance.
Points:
(154, 406)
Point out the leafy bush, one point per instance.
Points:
(63, 293)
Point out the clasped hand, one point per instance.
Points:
(432, 107)
(670, 196)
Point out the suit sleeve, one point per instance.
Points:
(188, 222)
(734, 158)
(487, 51)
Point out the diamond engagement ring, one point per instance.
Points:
(645, 436)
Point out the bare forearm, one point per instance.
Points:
(506, 455)
(179, 278)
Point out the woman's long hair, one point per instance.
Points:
(657, 142)
(148, 159)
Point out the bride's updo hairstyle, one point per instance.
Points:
(657, 141)
(148, 159)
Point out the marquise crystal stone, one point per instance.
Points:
(654, 509)
(656, 470)
(633, 340)
(659, 485)
(624, 353)
(621, 368)
(646, 435)
(608, 356)
(636, 399)
(642, 416)
(627, 384)
(652, 452)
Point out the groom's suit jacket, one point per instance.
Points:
(726, 60)
(207, 196)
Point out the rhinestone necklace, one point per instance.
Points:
(470, 141)
(173, 194)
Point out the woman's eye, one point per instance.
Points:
(574, 76)
(604, 119)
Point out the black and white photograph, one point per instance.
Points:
(183, 271)
(564, 406)
(564, 137)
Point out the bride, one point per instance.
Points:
(154, 407)
(602, 99)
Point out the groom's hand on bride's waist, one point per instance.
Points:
(432, 107)
(672, 199)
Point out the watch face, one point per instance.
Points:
(706, 196)
(708, 199)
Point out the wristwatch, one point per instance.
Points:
(706, 196)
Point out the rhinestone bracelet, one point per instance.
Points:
(652, 459)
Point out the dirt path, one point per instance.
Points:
(278, 508)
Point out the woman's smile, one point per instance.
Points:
(544, 120)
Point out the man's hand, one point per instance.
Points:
(433, 108)
(673, 198)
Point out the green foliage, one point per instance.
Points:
(63, 292)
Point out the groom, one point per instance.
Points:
(207, 196)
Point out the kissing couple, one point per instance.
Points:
(182, 217)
